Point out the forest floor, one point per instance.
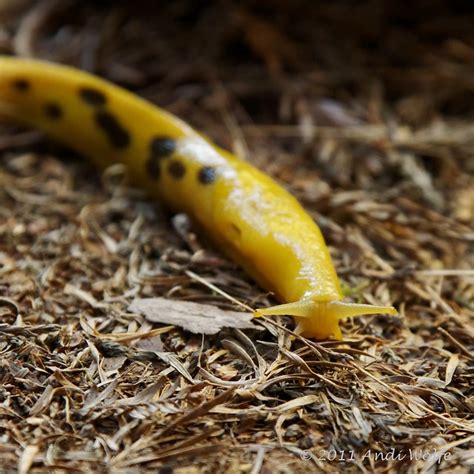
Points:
(364, 111)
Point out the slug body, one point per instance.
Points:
(244, 211)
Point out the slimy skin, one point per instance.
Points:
(247, 214)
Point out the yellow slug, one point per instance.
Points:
(247, 214)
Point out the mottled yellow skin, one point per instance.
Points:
(244, 211)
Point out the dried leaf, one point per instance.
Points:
(94, 397)
(197, 318)
(298, 402)
(451, 368)
(27, 457)
(144, 396)
(200, 410)
(43, 401)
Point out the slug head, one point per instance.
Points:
(320, 319)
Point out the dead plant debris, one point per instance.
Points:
(197, 318)
(364, 111)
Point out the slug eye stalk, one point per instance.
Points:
(321, 319)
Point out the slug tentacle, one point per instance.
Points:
(320, 319)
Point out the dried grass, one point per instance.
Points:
(365, 113)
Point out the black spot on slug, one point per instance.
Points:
(21, 85)
(117, 135)
(176, 169)
(207, 175)
(53, 110)
(160, 148)
(92, 96)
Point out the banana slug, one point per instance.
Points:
(245, 212)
